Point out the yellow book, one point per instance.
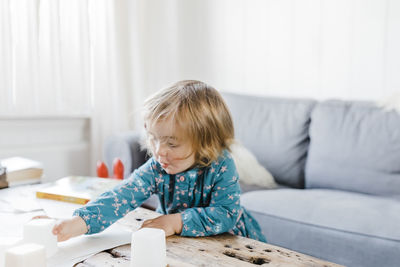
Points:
(77, 189)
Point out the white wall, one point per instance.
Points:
(298, 48)
(61, 144)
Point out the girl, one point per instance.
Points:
(189, 131)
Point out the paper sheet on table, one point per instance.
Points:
(80, 248)
(58, 209)
(19, 199)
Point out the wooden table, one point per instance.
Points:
(221, 250)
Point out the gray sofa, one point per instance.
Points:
(338, 166)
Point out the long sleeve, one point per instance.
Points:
(116, 203)
(224, 209)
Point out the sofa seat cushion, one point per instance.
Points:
(339, 210)
(338, 226)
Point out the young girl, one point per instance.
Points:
(189, 131)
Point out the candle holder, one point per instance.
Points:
(148, 248)
(6, 243)
(26, 255)
(39, 231)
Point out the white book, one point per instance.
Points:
(20, 169)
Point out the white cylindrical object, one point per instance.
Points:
(148, 248)
(26, 255)
(39, 231)
(5, 244)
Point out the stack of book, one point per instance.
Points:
(22, 170)
(3, 177)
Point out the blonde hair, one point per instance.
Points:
(201, 113)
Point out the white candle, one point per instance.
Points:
(5, 244)
(148, 248)
(39, 231)
(26, 255)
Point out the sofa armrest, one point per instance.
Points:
(125, 146)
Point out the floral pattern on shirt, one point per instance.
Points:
(207, 198)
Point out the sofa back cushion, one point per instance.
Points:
(354, 146)
(276, 131)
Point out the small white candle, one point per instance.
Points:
(39, 231)
(148, 248)
(26, 255)
(5, 244)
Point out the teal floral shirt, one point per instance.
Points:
(207, 198)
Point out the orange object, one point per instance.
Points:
(101, 169)
(118, 169)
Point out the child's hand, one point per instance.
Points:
(66, 229)
(171, 223)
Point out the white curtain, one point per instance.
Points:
(291, 48)
(101, 58)
(67, 58)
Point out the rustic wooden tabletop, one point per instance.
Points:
(221, 250)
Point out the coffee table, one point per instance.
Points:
(220, 250)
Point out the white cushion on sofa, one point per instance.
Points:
(250, 170)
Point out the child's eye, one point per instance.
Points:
(172, 145)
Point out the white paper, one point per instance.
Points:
(58, 209)
(80, 248)
(19, 199)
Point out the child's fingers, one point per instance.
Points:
(156, 224)
(57, 229)
(147, 223)
(62, 237)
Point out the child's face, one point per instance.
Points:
(170, 148)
